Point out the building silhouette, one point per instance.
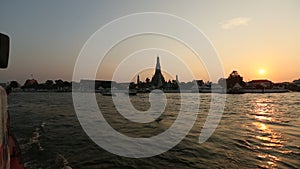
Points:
(158, 79)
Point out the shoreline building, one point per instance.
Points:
(158, 79)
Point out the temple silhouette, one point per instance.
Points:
(158, 79)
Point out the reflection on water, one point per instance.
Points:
(256, 131)
(271, 160)
(270, 139)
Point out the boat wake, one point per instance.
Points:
(62, 161)
(36, 134)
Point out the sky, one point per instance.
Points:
(249, 36)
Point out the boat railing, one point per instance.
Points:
(4, 147)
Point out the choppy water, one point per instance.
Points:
(256, 131)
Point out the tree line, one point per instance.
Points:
(47, 85)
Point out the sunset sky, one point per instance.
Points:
(258, 38)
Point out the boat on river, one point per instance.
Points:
(265, 90)
(132, 92)
(108, 92)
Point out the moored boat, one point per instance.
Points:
(265, 90)
(107, 92)
(132, 92)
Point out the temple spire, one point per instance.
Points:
(138, 79)
(158, 79)
(157, 63)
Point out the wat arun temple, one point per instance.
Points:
(157, 82)
(158, 79)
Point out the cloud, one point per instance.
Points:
(235, 22)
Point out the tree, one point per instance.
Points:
(67, 84)
(30, 84)
(14, 84)
(234, 78)
(49, 84)
(59, 84)
(132, 85)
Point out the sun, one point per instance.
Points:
(262, 71)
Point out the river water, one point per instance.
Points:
(256, 131)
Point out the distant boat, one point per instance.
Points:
(107, 92)
(205, 90)
(43, 90)
(132, 92)
(266, 90)
(235, 91)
